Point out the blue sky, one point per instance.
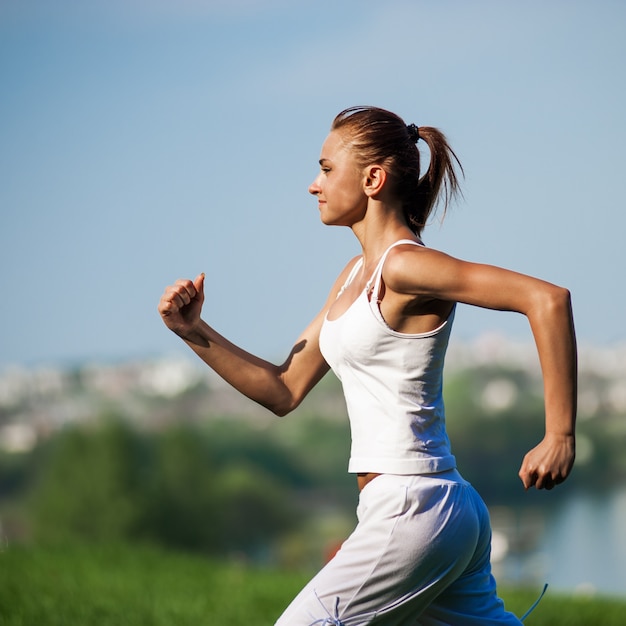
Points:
(141, 141)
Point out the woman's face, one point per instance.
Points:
(339, 186)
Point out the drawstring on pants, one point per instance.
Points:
(330, 620)
(334, 620)
(537, 601)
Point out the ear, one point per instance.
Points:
(374, 180)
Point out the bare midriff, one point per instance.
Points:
(364, 478)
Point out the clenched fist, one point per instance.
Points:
(181, 304)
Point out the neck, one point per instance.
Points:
(381, 226)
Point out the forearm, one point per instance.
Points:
(254, 377)
(553, 329)
(279, 388)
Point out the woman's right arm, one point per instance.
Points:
(279, 388)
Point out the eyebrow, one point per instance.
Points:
(322, 161)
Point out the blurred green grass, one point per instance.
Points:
(123, 585)
(132, 586)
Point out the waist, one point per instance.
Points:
(362, 478)
(449, 475)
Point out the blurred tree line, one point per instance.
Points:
(221, 487)
(225, 486)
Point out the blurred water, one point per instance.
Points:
(578, 545)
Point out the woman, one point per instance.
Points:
(420, 551)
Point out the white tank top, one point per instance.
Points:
(392, 383)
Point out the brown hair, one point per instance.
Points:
(379, 136)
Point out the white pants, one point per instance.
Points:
(419, 556)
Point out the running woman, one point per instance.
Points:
(420, 552)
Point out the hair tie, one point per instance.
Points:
(414, 132)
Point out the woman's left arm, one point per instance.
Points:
(432, 274)
(551, 321)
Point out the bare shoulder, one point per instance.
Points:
(345, 272)
(350, 265)
(343, 277)
(412, 269)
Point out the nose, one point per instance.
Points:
(314, 187)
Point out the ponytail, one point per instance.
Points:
(439, 185)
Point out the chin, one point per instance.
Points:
(330, 220)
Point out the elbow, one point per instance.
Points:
(561, 299)
(554, 302)
(286, 397)
(280, 411)
(284, 406)
(271, 392)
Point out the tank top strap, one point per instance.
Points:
(351, 275)
(376, 277)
